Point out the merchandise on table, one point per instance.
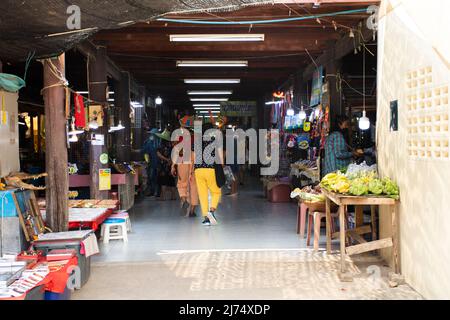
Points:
(309, 194)
(60, 254)
(360, 183)
(83, 242)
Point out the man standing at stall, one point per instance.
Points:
(150, 153)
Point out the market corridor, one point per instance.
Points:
(253, 253)
(247, 221)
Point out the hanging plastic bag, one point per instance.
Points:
(10, 82)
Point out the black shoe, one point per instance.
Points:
(192, 215)
(206, 222)
(212, 218)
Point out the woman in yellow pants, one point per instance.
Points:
(206, 183)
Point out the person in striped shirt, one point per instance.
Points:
(337, 151)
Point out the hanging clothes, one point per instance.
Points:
(80, 113)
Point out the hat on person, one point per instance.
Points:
(165, 135)
(187, 121)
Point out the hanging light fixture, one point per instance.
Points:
(302, 114)
(73, 138)
(158, 100)
(352, 34)
(93, 124)
(364, 121)
(290, 112)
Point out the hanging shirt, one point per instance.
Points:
(337, 155)
(80, 115)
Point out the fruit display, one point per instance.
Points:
(360, 184)
(309, 194)
(336, 182)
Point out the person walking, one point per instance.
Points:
(186, 183)
(206, 180)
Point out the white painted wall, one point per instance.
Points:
(9, 136)
(413, 36)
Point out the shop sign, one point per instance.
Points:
(96, 113)
(98, 140)
(316, 86)
(104, 179)
(238, 108)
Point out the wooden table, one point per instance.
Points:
(356, 234)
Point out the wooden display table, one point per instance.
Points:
(363, 246)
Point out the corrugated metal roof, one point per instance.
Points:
(25, 25)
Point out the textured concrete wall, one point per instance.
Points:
(414, 68)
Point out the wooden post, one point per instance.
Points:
(359, 216)
(138, 133)
(97, 91)
(395, 237)
(57, 180)
(122, 94)
(342, 235)
(328, 223)
(332, 69)
(373, 210)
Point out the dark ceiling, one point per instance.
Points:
(145, 50)
(25, 25)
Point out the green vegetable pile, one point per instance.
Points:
(360, 184)
(358, 187)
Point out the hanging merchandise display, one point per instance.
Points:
(80, 116)
(307, 126)
(4, 113)
(317, 83)
(96, 114)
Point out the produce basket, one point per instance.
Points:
(319, 206)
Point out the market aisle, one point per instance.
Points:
(247, 221)
(253, 254)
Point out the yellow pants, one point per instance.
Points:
(206, 181)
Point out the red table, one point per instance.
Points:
(55, 281)
(93, 223)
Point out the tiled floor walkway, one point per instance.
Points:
(254, 253)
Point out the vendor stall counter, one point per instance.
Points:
(363, 246)
(126, 186)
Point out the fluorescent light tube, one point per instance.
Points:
(208, 99)
(207, 105)
(212, 111)
(206, 109)
(211, 63)
(268, 103)
(213, 81)
(216, 37)
(206, 92)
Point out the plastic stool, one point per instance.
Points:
(122, 215)
(302, 211)
(114, 229)
(317, 217)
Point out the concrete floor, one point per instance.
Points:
(254, 253)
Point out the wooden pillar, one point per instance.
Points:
(57, 180)
(122, 94)
(332, 68)
(97, 64)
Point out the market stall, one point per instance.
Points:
(360, 186)
(50, 269)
